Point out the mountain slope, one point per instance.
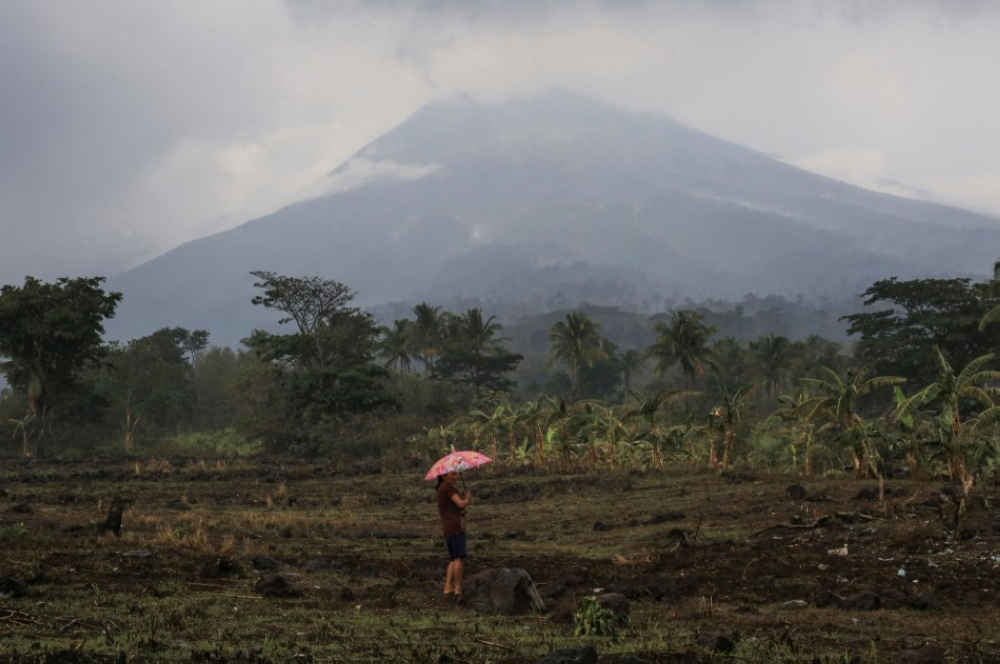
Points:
(532, 198)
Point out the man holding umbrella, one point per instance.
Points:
(450, 507)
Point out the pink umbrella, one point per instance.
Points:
(457, 462)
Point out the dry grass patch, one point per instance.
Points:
(366, 555)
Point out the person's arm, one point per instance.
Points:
(462, 502)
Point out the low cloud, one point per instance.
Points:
(362, 170)
(863, 167)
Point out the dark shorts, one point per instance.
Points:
(456, 546)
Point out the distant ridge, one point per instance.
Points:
(551, 195)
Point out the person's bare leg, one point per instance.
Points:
(449, 579)
(456, 576)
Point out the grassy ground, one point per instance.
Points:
(713, 566)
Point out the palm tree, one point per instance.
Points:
(631, 361)
(478, 334)
(773, 355)
(575, 342)
(397, 345)
(473, 354)
(427, 333)
(815, 352)
(732, 361)
(685, 342)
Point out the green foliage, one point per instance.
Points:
(340, 385)
(592, 619)
(49, 334)
(12, 533)
(683, 341)
(602, 379)
(326, 367)
(957, 406)
(576, 342)
(225, 443)
(150, 383)
(915, 316)
(473, 355)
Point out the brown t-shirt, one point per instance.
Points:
(451, 516)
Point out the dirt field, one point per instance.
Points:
(715, 568)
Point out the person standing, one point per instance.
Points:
(451, 506)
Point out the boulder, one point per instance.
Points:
(581, 655)
(558, 587)
(12, 587)
(926, 601)
(828, 599)
(864, 601)
(265, 562)
(506, 591)
(616, 603)
(716, 642)
(275, 585)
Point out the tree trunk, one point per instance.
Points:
(25, 438)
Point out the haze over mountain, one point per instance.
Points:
(556, 200)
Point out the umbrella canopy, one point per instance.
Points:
(457, 462)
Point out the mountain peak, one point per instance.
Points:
(558, 193)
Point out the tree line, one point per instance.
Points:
(915, 386)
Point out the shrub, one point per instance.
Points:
(13, 532)
(592, 619)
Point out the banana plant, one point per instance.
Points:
(836, 401)
(951, 401)
(727, 418)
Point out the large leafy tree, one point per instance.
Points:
(215, 381)
(909, 318)
(50, 333)
(576, 342)
(473, 354)
(151, 383)
(327, 364)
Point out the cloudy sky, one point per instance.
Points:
(128, 127)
